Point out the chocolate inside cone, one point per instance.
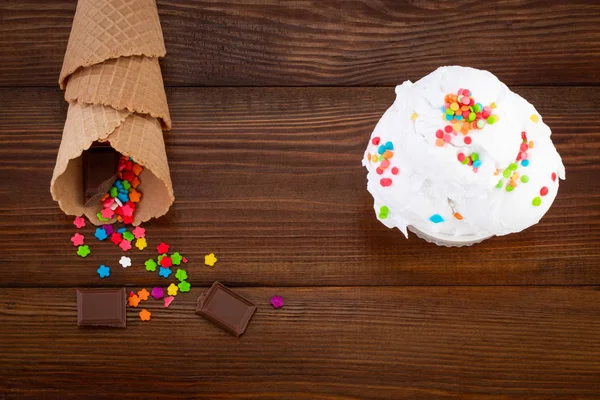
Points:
(99, 171)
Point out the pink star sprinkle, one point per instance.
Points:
(168, 301)
(125, 245)
(139, 232)
(77, 239)
(277, 301)
(127, 210)
(107, 213)
(79, 222)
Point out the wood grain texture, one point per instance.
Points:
(270, 179)
(334, 42)
(325, 343)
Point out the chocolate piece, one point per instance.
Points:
(100, 163)
(101, 307)
(226, 309)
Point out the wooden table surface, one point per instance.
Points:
(273, 103)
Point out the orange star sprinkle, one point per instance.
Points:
(134, 196)
(143, 294)
(145, 315)
(133, 301)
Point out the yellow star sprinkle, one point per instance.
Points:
(172, 289)
(534, 118)
(141, 243)
(493, 104)
(414, 116)
(210, 260)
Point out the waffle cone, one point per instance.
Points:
(116, 94)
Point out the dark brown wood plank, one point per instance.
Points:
(328, 343)
(335, 42)
(270, 180)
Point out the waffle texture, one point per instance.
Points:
(113, 83)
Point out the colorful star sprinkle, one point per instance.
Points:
(79, 222)
(116, 238)
(139, 232)
(465, 114)
(172, 289)
(150, 265)
(534, 118)
(141, 243)
(100, 234)
(210, 259)
(165, 261)
(122, 196)
(277, 301)
(162, 248)
(83, 251)
(176, 258)
(143, 294)
(158, 293)
(125, 262)
(168, 301)
(145, 315)
(128, 236)
(133, 301)
(164, 272)
(103, 271)
(184, 287)
(125, 245)
(77, 239)
(181, 275)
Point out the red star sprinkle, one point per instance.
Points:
(184, 260)
(116, 238)
(128, 219)
(77, 239)
(166, 262)
(79, 222)
(162, 248)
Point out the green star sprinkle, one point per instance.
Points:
(128, 236)
(83, 251)
(181, 275)
(176, 258)
(184, 287)
(150, 265)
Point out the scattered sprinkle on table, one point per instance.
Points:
(79, 222)
(77, 239)
(181, 275)
(164, 272)
(100, 234)
(184, 287)
(168, 301)
(139, 232)
(277, 301)
(210, 259)
(141, 243)
(125, 262)
(158, 292)
(145, 315)
(150, 265)
(83, 251)
(125, 245)
(143, 294)
(103, 271)
(162, 248)
(172, 289)
(133, 301)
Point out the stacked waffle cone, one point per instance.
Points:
(113, 83)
